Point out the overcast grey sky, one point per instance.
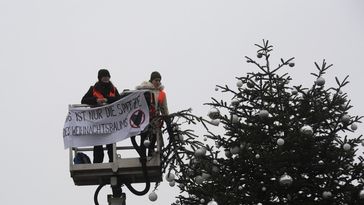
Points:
(50, 52)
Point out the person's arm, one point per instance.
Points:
(113, 99)
(164, 107)
(88, 98)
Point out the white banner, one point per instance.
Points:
(108, 124)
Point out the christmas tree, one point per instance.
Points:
(280, 144)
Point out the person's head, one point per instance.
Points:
(103, 76)
(155, 79)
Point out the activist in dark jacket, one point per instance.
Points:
(103, 92)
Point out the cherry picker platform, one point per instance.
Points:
(121, 170)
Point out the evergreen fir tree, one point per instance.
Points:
(281, 144)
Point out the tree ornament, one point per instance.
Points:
(285, 180)
(216, 89)
(320, 81)
(146, 142)
(263, 114)
(234, 150)
(345, 119)
(235, 102)
(214, 113)
(212, 202)
(215, 122)
(234, 119)
(205, 176)
(153, 196)
(205, 138)
(294, 91)
(172, 183)
(264, 188)
(215, 169)
(362, 143)
(202, 201)
(259, 55)
(354, 126)
(326, 194)
(228, 153)
(361, 194)
(198, 179)
(306, 130)
(170, 177)
(291, 64)
(250, 84)
(280, 141)
(257, 156)
(346, 147)
(239, 84)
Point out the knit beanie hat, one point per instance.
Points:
(155, 75)
(103, 73)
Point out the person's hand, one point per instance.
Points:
(101, 101)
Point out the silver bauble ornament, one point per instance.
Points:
(170, 177)
(285, 180)
(214, 113)
(212, 202)
(280, 142)
(234, 150)
(234, 119)
(361, 194)
(199, 179)
(263, 114)
(153, 196)
(215, 169)
(257, 156)
(320, 81)
(234, 102)
(306, 130)
(239, 84)
(345, 119)
(146, 143)
(205, 176)
(326, 194)
(228, 153)
(354, 126)
(215, 122)
(346, 147)
(200, 152)
(202, 201)
(362, 143)
(172, 183)
(294, 91)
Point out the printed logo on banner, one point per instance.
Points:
(137, 118)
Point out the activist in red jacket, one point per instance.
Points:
(154, 84)
(103, 92)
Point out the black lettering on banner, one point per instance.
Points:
(110, 112)
(66, 132)
(118, 106)
(80, 116)
(69, 117)
(95, 114)
(137, 102)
